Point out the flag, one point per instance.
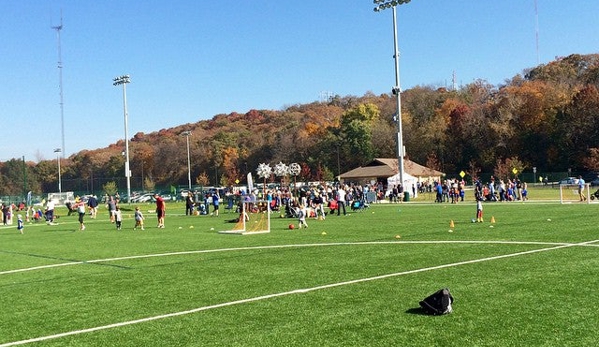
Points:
(250, 183)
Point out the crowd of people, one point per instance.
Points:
(315, 201)
(454, 190)
(501, 190)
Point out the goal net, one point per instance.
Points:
(254, 218)
(568, 193)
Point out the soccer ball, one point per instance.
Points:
(291, 226)
(473, 220)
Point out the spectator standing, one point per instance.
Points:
(4, 214)
(189, 204)
(394, 194)
(341, 200)
(400, 193)
(439, 191)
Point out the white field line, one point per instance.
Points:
(71, 263)
(296, 291)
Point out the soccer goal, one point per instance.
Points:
(253, 219)
(568, 193)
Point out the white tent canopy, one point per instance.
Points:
(410, 183)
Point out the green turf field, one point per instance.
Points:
(528, 279)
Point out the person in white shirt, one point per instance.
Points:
(50, 212)
(341, 200)
(81, 212)
(581, 189)
(301, 215)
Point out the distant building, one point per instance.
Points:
(385, 170)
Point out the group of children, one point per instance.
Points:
(116, 217)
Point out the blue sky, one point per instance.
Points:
(190, 60)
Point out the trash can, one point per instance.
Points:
(406, 196)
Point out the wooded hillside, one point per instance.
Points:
(547, 117)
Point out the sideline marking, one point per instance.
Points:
(49, 266)
(295, 291)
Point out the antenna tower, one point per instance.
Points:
(326, 96)
(58, 28)
(454, 84)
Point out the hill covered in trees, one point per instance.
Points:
(547, 117)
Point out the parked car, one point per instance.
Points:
(569, 180)
(590, 176)
(595, 182)
(142, 198)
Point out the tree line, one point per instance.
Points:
(546, 117)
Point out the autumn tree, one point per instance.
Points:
(202, 179)
(356, 133)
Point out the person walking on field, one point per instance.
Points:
(20, 223)
(111, 205)
(301, 215)
(160, 210)
(92, 202)
(81, 212)
(118, 217)
(581, 189)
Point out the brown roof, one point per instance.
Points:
(387, 167)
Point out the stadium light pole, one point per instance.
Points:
(58, 150)
(124, 80)
(380, 6)
(187, 134)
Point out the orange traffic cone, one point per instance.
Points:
(492, 219)
(451, 225)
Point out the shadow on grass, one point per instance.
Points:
(417, 311)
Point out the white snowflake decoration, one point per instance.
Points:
(281, 169)
(264, 170)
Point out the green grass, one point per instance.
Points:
(294, 281)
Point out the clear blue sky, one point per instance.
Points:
(190, 60)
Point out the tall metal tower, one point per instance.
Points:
(58, 28)
(454, 82)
